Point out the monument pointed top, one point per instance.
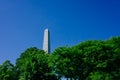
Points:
(46, 29)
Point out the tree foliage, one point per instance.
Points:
(7, 71)
(66, 62)
(33, 65)
(89, 60)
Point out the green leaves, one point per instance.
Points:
(94, 60)
(33, 65)
(89, 60)
(66, 61)
(7, 71)
(98, 75)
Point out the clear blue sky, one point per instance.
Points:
(22, 23)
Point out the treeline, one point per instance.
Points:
(89, 60)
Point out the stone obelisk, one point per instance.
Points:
(46, 41)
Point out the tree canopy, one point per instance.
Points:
(89, 60)
(33, 65)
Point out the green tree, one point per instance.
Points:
(33, 65)
(115, 59)
(66, 62)
(90, 51)
(99, 75)
(7, 71)
(100, 58)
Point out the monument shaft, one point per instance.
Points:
(46, 41)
